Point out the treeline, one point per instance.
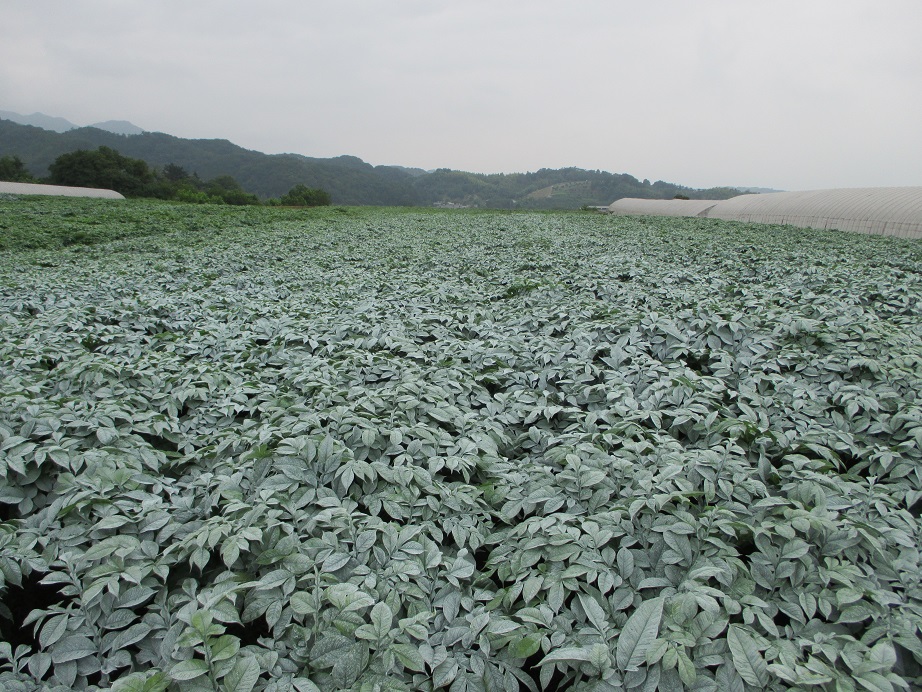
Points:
(347, 179)
(561, 188)
(106, 168)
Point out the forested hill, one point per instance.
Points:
(348, 179)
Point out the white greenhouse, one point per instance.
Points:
(56, 191)
(895, 211)
(662, 207)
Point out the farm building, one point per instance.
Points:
(895, 211)
(56, 190)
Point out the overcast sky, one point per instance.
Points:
(775, 93)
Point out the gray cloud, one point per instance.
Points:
(784, 94)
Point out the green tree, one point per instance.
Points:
(175, 173)
(226, 189)
(303, 196)
(103, 168)
(12, 169)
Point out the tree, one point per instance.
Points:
(175, 173)
(226, 189)
(12, 169)
(103, 168)
(303, 196)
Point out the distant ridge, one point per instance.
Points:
(61, 125)
(757, 190)
(119, 127)
(348, 179)
(46, 122)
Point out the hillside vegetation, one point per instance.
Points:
(348, 179)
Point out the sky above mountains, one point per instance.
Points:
(783, 94)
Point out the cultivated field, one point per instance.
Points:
(282, 449)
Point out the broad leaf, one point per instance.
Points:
(638, 634)
(243, 676)
(746, 657)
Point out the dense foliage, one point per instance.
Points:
(303, 196)
(399, 450)
(108, 169)
(13, 169)
(348, 179)
(102, 168)
(53, 223)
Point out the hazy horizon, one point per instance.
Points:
(783, 95)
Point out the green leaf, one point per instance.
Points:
(883, 654)
(746, 657)
(461, 568)
(366, 632)
(113, 521)
(416, 626)
(129, 683)
(53, 630)
(594, 612)
(134, 596)
(106, 435)
(600, 657)
(130, 636)
(846, 596)
(230, 551)
(686, 670)
(409, 656)
(445, 673)
(39, 664)
(625, 562)
(302, 602)
(243, 676)
(728, 679)
(328, 649)
(349, 665)
(365, 541)
(188, 670)
(336, 561)
(72, 648)
(795, 549)
(638, 634)
(531, 588)
(875, 682)
(382, 617)
(525, 647)
(348, 597)
(142, 682)
(568, 654)
(201, 621)
(857, 613)
(656, 651)
(225, 646)
(304, 685)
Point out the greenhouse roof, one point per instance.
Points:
(56, 190)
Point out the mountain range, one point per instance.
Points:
(348, 179)
(56, 124)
